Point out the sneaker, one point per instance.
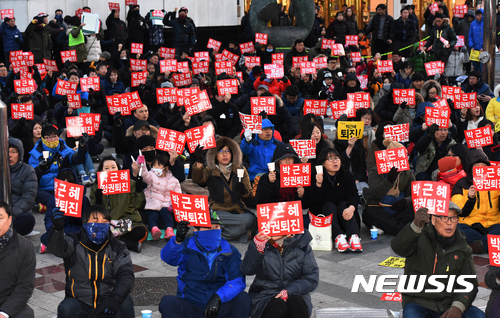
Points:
(85, 180)
(341, 243)
(156, 233)
(43, 248)
(355, 243)
(93, 177)
(169, 233)
(42, 208)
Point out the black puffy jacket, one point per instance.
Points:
(374, 26)
(337, 30)
(117, 29)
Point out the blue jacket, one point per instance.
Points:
(476, 35)
(294, 108)
(416, 129)
(196, 280)
(259, 152)
(83, 95)
(184, 34)
(107, 86)
(10, 41)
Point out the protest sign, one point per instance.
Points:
(114, 182)
(435, 196)
(69, 197)
(280, 218)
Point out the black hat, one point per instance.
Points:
(327, 75)
(292, 90)
(144, 141)
(350, 77)
(479, 12)
(214, 217)
(256, 70)
(139, 124)
(284, 150)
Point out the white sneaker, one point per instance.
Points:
(355, 243)
(341, 243)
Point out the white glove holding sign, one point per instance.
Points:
(248, 135)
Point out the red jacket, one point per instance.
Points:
(275, 87)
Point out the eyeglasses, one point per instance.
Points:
(222, 151)
(445, 219)
(332, 159)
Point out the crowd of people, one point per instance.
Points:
(346, 184)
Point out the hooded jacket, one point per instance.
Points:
(210, 176)
(462, 27)
(480, 88)
(12, 37)
(158, 191)
(337, 30)
(404, 31)
(429, 152)
(126, 142)
(23, 182)
(403, 78)
(455, 65)
(386, 107)
(374, 27)
(39, 41)
(423, 90)
(445, 31)
(295, 270)
(108, 86)
(276, 87)
(259, 152)
(476, 34)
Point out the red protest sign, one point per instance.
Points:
(316, 107)
(136, 48)
(24, 86)
(392, 297)
(294, 175)
(114, 6)
(403, 95)
(278, 58)
(227, 86)
(201, 56)
(139, 65)
(280, 218)
(359, 100)
(223, 67)
(274, 70)
(299, 59)
(386, 159)
(341, 107)
(50, 65)
(421, 45)
(96, 119)
(465, 100)
(213, 44)
(157, 13)
(251, 122)
(15, 55)
(251, 61)
(351, 40)
(169, 139)
(434, 67)
(239, 75)
(494, 163)
(90, 82)
(201, 135)
(307, 68)
(479, 137)
(25, 74)
(305, 148)
(398, 133)
(19, 111)
(130, 2)
(226, 55)
(434, 196)
(139, 78)
(7, 13)
(69, 197)
(439, 116)
(327, 44)
(494, 249)
(114, 182)
(167, 53)
(65, 87)
(197, 103)
(459, 11)
(385, 66)
(363, 80)
(441, 104)
(320, 62)
(74, 101)
(460, 41)
(264, 103)
(185, 93)
(69, 55)
(182, 79)
(75, 126)
(247, 47)
(200, 67)
(183, 67)
(434, 7)
(449, 92)
(118, 103)
(134, 101)
(486, 178)
(356, 57)
(79, 13)
(261, 38)
(318, 221)
(338, 49)
(166, 95)
(191, 208)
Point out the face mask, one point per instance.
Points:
(123, 58)
(96, 232)
(387, 87)
(157, 171)
(210, 239)
(432, 100)
(149, 155)
(182, 18)
(269, 50)
(379, 79)
(50, 144)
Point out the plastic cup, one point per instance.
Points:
(186, 168)
(271, 166)
(46, 154)
(240, 173)
(146, 313)
(319, 169)
(374, 234)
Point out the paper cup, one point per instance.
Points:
(46, 154)
(77, 143)
(319, 169)
(186, 168)
(271, 166)
(374, 234)
(146, 313)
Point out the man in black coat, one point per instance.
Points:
(404, 33)
(382, 32)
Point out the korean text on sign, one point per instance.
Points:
(494, 249)
(338, 49)
(307, 68)
(139, 78)
(281, 218)
(356, 57)
(118, 103)
(114, 182)
(278, 58)
(403, 95)
(19, 111)
(7, 13)
(65, 87)
(136, 48)
(213, 44)
(167, 53)
(320, 62)
(200, 67)
(449, 92)
(87, 83)
(363, 80)
(359, 100)
(96, 119)
(247, 47)
(305, 148)
(386, 159)
(318, 221)
(170, 140)
(341, 107)
(227, 86)
(261, 38)
(197, 103)
(351, 40)
(75, 126)
(191, 208)
(274, 70)
(295, 175)
(327, 44)
(298, 59)
(264, 103)
(166, 95)
(465, 100)
(439, 116)
(434, 67)
(385, 66)
(316, 107)
(251, 122)
(434, 196)
(51, 65)
(74, 101)
(140, 65)
(201, 56)
(223, 67)
(202, 135)
(68, 56)
(486, 178)
(398, 133)
(251, 61)
(182, 79)
(479, 137)
(69, 197)
(348, 129)
(185, 93)
(228, 56)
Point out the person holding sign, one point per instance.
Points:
(184, 34)
(103, 287)
(334, 193)
(285, 293)
(209, 283)
(469, 119)
(38, 36)
(12, 37)
(312, 131)
(441, 30)
(480, 209)
(76, 39)
(476, 84)
(432, 245)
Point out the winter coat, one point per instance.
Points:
(117, 29)
(158, 191)
(155, 30)
(451, 177)
(462, 27)
(276, 87)
(291, 54)
(445, 31)
(295, 108)
(110, 89)
(247, 28)
(491, 281)
(81, 49)
(135, 26)
(378, 185)
(404, 116)
(197, 282)
(353, 25)
(404, 31)
(23, 182)
(316, 50)
(425, 256)
(455, 65)
(416, 128)
(295, 270)
(12, 37)
(492, 112)
(386, 107)
(364, 45)
(39, 41)
(184, 35)
(403, 78)
(480, 88)
(18, 263)
(126, 142)
(220, 197)
(429, 152)
(476, 35)
(337, 30)
(356, 161)
(93, 272)
(374, 27)
(227, 117)
(93, 47)
(423, 90)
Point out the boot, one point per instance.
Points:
(477, 247)
(133, 246)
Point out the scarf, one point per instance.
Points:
(287, 194)
(225, 170)
(445, 242)
(6, 238)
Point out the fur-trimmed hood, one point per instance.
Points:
(497, 90)
(423, 90)
(446, 22)
(220, 143)
(130, 131)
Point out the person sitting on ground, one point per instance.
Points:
(103, 287)
(492, 280)
(126, 142)
(209, 283)
(449, 171)
(432, 245)
(313, 131)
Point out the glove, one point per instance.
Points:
(35, 68)
(98, 196)
(117, 117)
(284, 294)
(83, 140)
(22, 121)
(57, 218)
(399, 205)
(450, 103)
(43, 165)
(421, 217)
(141, 160)
(284, 79)
(182, 231)
(248, 135)
(263, 76)
(259, 244)
(164, 108)
(392, 175)
(453, 312)
(139, 185)
(263, 114)
(198, 154)
(64, 101)
(240, 187)
(432, 130)
(403, 105)
(13, 96)
(212, 307)
(109, 306)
